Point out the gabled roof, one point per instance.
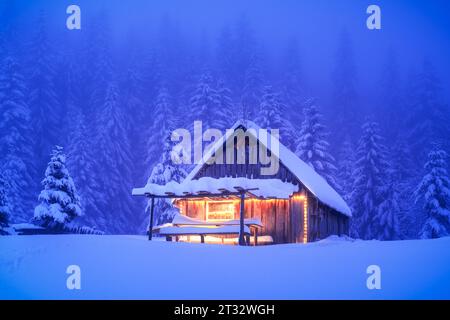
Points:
(315, 183)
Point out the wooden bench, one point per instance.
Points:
(175, 231)
(186, 226)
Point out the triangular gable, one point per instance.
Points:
(315, 183)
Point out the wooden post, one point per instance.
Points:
(241, 221)
(152, 207)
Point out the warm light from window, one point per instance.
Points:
(219, 210)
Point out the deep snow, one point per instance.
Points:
(126, 267)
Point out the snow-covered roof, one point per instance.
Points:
(315, 183)
(264, 188)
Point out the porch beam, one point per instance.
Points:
(152, 207)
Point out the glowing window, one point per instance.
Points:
(221, 210)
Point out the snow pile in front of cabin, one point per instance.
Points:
(265, 188)
(130, 267)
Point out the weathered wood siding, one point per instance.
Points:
(325, 221)
(295, 234)
(282, 219)
(246, 169)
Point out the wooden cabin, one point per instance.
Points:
(292, 205)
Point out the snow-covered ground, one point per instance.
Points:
(130, 267)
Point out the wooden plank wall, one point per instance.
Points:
(252, 171)
(283, 219)
(274, 215)
(325, 221)
(194, 209)
(296, 223)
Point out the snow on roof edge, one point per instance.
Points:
(263, 188)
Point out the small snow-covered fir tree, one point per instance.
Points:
(312, 145)
(165, 171)
(369, 181)
(59, 201)
(5, 208)
(434, 192)
(271, 116)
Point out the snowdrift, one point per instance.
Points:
(130, 267)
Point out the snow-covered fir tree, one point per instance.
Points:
(244, 52)
(391, 107)
(312, 144)
(344, 91)
(205, 101)
(161, 124)
(98, 67)
(224, 54)
(113, 169)
(292, 84)
(59, 203)
(389, 210)
(271, 116)
(404, 178)
(168, 169)
(133, 100)
(43, 99)
(225, 115)
(253, 90)
(5, 206)
(427, 117)
(369, 182)
(434, 192)
(79, 164)
(345, 167)
(15, 140)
